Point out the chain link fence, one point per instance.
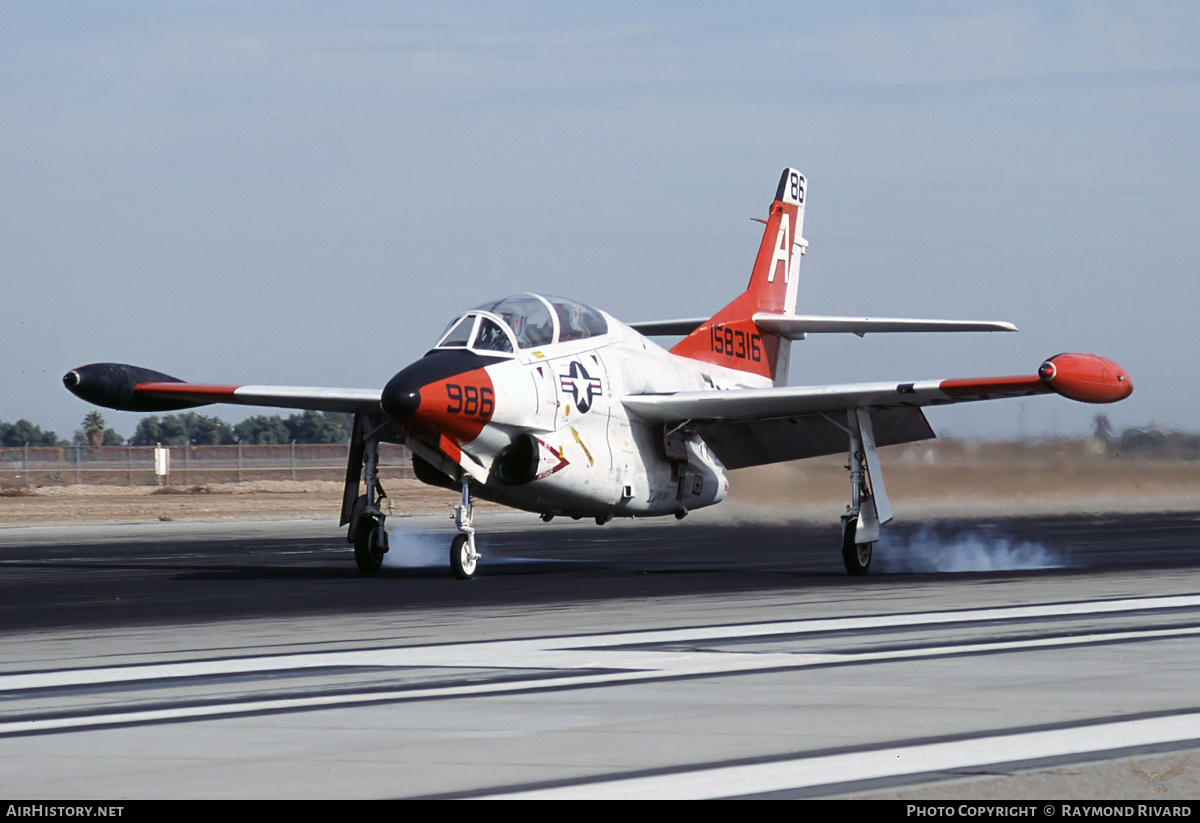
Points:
(187, 465)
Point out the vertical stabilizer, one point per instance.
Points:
(730, 337)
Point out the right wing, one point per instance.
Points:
(750, 427)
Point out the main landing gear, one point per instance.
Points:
(868, 500)
(367, 530)
(856, 556)
(370, 543)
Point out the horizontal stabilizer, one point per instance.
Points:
(796, 326)
(655, 328)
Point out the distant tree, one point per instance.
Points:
(183, 429)
(318, 427)
(262, 430)
(108, 438)
(148, 432)
(14, 435)
(201, 430)
(1145, 440)
(93, 428)
(1150, 441)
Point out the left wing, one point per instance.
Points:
(132, 388)
(749, 427)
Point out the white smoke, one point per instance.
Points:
(417, 550)
(927, 551)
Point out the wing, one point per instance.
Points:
(1178, 769)
(750, 427)
(1138, 771)
(131, 388)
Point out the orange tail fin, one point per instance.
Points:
(730, 338)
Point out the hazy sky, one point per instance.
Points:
(304, 193)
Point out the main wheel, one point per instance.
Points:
(370, 544)
(463, 559)
(856, 556)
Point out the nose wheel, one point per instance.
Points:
(464, 559)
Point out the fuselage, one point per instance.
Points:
(523, 396)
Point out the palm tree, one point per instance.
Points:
(93, 428)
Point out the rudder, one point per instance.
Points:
(730, 338)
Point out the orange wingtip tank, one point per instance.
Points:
(1086, 377)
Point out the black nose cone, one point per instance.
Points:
(400, 398)
(114, 385)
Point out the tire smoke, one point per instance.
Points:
(416, 550)
(928, 551)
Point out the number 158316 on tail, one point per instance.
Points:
(735, 343)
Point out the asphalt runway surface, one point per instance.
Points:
(1009, 659)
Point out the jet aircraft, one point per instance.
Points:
(548, 405)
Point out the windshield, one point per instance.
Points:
(528, 320)
(491, 336)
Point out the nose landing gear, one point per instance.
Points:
(463, 557)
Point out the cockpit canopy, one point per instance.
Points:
(524, 321)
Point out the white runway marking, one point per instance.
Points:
(559, 662)
(807, 772)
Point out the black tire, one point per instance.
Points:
(462, 561)
(370, 545)
(856, 556)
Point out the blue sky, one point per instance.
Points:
(304, 193)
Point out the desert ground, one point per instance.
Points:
(934, 480)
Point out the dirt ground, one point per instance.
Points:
(923, 481)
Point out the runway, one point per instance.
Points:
(661, 660)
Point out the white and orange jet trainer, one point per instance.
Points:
(551, 406)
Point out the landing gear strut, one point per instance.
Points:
(868, 500)
(463, 557)
(364, 512)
